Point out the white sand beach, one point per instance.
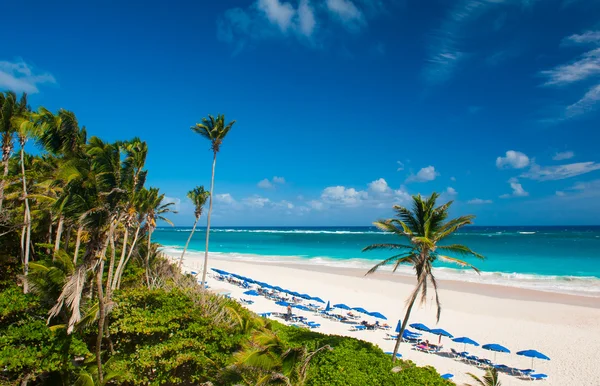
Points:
(564, 327)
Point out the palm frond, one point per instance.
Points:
(459, 262)
(460, 249)
(385, 262)
(386, 246)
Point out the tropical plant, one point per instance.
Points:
(198, 196)
(11, 110)
(425, 227)
(490, 378)
(215, 130)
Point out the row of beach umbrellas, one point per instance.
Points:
(495, 347)
(374, 314)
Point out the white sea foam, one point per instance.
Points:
(577, 285)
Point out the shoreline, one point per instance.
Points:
(500, 287)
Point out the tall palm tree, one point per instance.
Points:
(198, 196)
(424, 227)
(11, 109)
(215, 130)
(490, 378)
(157, 208)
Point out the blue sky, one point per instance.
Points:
(343, 107)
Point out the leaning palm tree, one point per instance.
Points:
(198, 196)
(490, 378)
(215, 131)
(157, 208)
(424, 227)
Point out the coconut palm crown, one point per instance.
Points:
(424, 226)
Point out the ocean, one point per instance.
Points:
(554, 258)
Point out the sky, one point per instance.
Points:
(343, 108)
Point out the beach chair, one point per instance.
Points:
(357, 327)
(447, 376)
(312, 325)
(390, 337)
(247, 301)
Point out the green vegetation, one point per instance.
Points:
(490, 378)
(424, 227)
(86, 298)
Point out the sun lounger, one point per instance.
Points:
(246, 301)
(427, 349)
(447, 376)
(357, 327)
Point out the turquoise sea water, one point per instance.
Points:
(558, 256)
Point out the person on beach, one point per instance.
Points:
(288, 316)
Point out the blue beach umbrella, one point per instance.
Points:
(398, 355)
(447, 376)
(439, 331)
(301, 307)
(282, 303)
(278, 288)
(342, 306)
(399, 326)
(533, 354)
(420, 326)
(496, 348)
(251, 293)
(220, 271)
(328, 307)
(361, 310)
(377, 315)
(317, 299)
(305, 296)
(465, 341)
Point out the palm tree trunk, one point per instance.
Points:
(188, 242)
(50, 233)
(27, 223)
(101, 315)
(59, 228)
(212, 185)
(111, 264)
(148, 256)
(77, 244)
(6, 150)
(119, 275)
(404, 323)
(113, 285)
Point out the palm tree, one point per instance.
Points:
(11, 109)
(215, 130)
(424, 227)
(490, 378)
(198, 196)
(156, 210)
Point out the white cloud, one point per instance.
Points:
(589, 102)
(256, 201)
(278, 13)
(560, 193)
(306, 18)
(517, 188)
(584, 38)
(586, 66)
(344, 9)
(451, 191)
(479, 201)
(400, 166)
(453, 178)
(224, 198)
(425, 174)
(173, 200)
(343, 195)
(513, 159)
(20, 77)
(559, 172)
(265, 184)
(268, 184)
(379, 186)
(316, 205)
(559, 156)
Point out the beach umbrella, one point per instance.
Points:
(420, 326)
(361, 310)
(278, 288)
(328, 307)
(282, 303)
(465, 341)
(399, 326)
(301, 307)
(496, 348)
(447, 376)
(305, 296)
(317, 299)
(439, 331)
(251, 293)
(377, 315)
(342, 306)
(533, 354)
(398, 355)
